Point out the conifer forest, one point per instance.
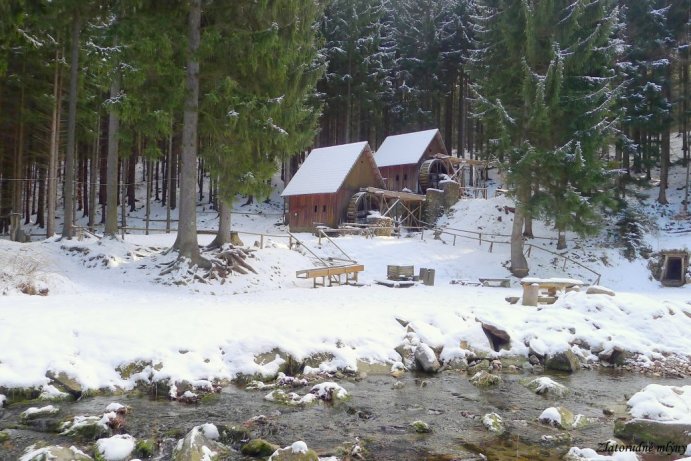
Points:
(210, 98)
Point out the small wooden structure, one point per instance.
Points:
(675, 263)
(332, 274)
(394, 272)
(495, 282)
(320, 191)
(402, 207)
(408, 161)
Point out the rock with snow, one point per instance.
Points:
(426, 359)
(290, 398)
(117, 408)
(70, 384)
(36, 412)
(50, 392)
(494, 423)
(3, 399)
(588, 454)
(498, 337)
(89, 427)
(546, 386)
(660, 414)
(54, 453)
(196, 446)
(298, 451)
(563, 361)
(485, 379)
(563, 418)
(329, 391)
(420, 427)
(116, 448)
(614, 355)
(599, 290)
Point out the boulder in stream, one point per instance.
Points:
(199, 445)
(298, 451)
(116, 448)
(563, 361)
(494, 423)
(485, 379)
(55, 453)
(563, 418)
(546, 386)
(258, 448)
(426, 359)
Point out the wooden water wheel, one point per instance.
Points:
(431, 172)
(360, 205)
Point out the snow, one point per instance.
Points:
(299, 447)
(545, 384)
(669, 404)
(404, 149)
(47, 410)
(40, 454)
(114, 407)
(325, 169)
(3, 399)
(210, 431)
(49, 392)
(550, 416)
(116, 448)
(328, 391)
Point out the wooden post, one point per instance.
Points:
(261, 241)
(454, 240)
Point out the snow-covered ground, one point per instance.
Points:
(106, 305)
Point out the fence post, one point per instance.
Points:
(261, 241)
(454, 240)
(480, 235)
(491, 245)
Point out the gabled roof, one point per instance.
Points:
(404, 149)
(325, 169)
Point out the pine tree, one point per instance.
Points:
(547, 105)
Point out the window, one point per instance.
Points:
(315, 208)
(405, 177)
(324, 209)
(397, 178)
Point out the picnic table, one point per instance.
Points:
(534, 288)
(332, 273)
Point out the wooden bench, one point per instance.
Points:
(495, 282)
(333, 274)
(548, 288)
(400, 272)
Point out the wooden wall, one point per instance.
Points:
(408, 174)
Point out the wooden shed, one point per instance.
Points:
(407, 161)
(321, 189)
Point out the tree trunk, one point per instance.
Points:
(448, 121)
(561, 239)
(223, 234)
(664, 168)
(519, 265)
(131, 181)
(53, 156)
(111, 227)
(93, 174)
(40, 209)
(67, 228)
(186, 241)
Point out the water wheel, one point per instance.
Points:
(360, 205)
(431, 172)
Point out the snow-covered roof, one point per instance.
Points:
(325, 169)
(404, 149)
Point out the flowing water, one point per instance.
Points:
(379, 416)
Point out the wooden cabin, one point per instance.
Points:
(402, 157)
(320, 191)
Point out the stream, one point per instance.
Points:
(378, 414)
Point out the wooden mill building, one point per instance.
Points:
(409, 161)
(321, 189)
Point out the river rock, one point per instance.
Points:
(563, 361)
(65, 381)
(258, 448)
(420, 427)
(426, 359)
(656, 432)
(298, 451)
(485, 379)
(494, 423)
(55, 453)
(544, 385)
(37, 413)
(498, 338)
(329, 391)
(199, 445)
(87, 428)
(116, 448)
(4, 437)
(614, 355)
(3, 399)
(562, 418)
(52, 393)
